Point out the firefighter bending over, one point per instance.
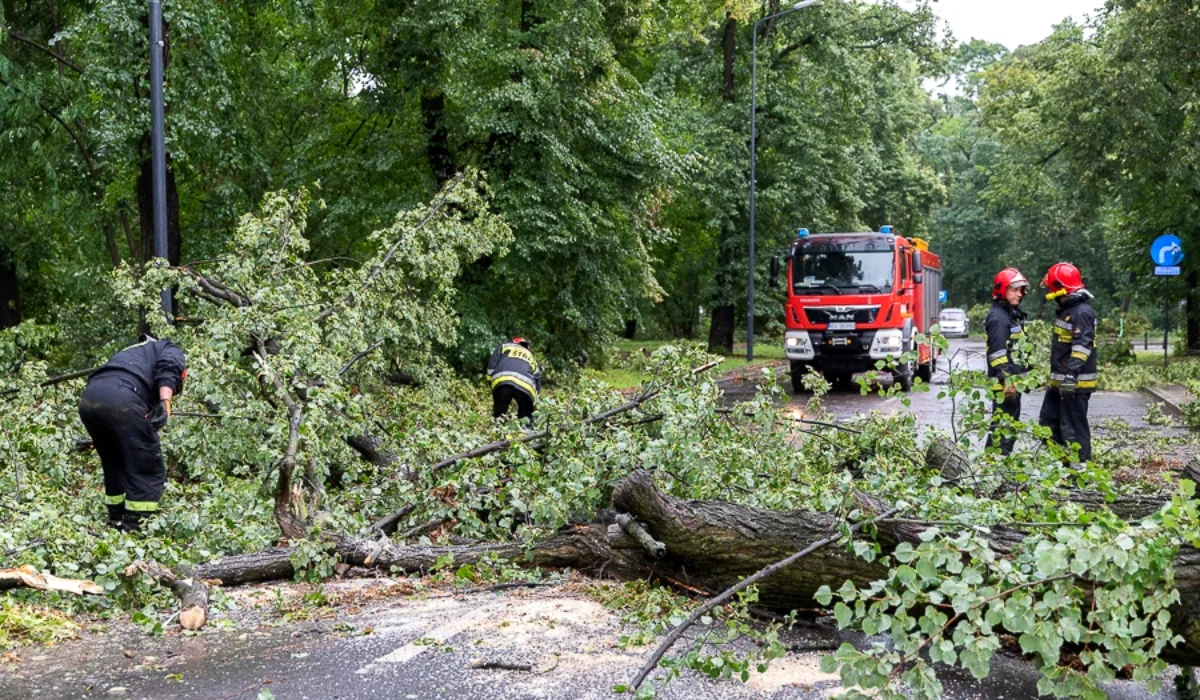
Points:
(1005, 325)
(515, 376)
(125, 404)
(1072, 360)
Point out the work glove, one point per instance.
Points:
(1010, 391)
(157, 417)
(1069, 385)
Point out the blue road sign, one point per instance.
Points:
(942, 296)
(1166, 251)
(1166, 270)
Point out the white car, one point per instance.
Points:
(954, 323)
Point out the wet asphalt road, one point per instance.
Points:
(848, 401)
(427, 649)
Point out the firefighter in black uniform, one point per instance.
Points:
(1005, 325)
(125, 404)
(515, 376)
(1072, 360)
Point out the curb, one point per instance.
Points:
(743, 374)
(1172, 396)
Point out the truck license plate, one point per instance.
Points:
(841, 325)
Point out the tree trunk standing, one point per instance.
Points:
(437, 140)
(10, 292)
(720, 332)
(1193, 311)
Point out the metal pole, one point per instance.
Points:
(753, 140)
(158, 160)
(1166, 327)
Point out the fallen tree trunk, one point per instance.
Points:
(710, 545)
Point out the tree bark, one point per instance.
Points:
(1193, 310)
(437, 139)
(729, 54)
(10, 292)
(720, 332)
(708, 544)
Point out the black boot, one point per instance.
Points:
(132, 522)
(116, 516)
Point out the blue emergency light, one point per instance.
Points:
(802, 233)
(886, 229)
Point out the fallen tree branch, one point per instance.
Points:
(28, 577)
(742, 585)
(652, 546)
(501, 445)
(346, 367)
(436, 207)
(192, 594)
(77, 374)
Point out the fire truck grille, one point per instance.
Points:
(828, 314)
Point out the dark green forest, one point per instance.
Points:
(613, 141)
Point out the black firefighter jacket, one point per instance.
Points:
(514, 365)
(1005, 326)
(153, 363)
(1073, 343)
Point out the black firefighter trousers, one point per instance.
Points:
(504, 394)
(1012, 408)
(113, 409)
(1067, 416)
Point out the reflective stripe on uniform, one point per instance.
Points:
(141, 506)
(1002, 360)
(514, 378)
(114, 500)
(998, 353)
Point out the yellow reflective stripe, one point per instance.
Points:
(519, 382)
(1000, 361)
(114, 500)
(141, 506)
(1079, 356)
(1087, 384)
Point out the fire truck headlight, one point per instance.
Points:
(888, 342)
(798, 346)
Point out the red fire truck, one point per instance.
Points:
(856, 298)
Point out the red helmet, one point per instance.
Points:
(1008, 277)
(1062, 278)
(521, 341)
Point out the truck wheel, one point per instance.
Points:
(797, 372)
(905, 372)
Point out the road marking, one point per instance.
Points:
(438, 635)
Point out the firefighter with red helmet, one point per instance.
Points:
(515, 376)
(1072, 359)
(1005, 326)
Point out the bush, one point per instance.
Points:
(975, 316)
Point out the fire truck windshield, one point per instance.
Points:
(819, 270)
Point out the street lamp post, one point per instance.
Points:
(753, 139)
(158, 158)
